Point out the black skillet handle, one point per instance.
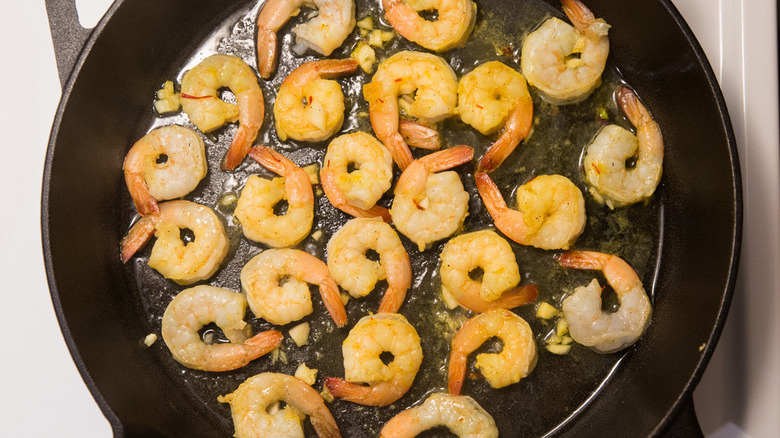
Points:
(67, 34)
(684, 424)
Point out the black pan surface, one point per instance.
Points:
(106, 309)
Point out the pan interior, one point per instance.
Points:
(559, 385)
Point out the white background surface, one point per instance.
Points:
(43, 395)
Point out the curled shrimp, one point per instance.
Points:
(324, 33)
(166, 163)
(309, 106)
(612, 182)
(461, 414)
(277, 281)
(357, 274)
(491, 96)
(251, 401)
(563, 62)
(605, 332)
(357, 192)
(427, 88)
(370, 337)
(200, 100)
(255, 207)
(429, 204)
(515, 361)
(497, 289)
(455, 22)
(184, 263)
(550, 211)
(195, 307)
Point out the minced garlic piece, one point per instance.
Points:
(308, 375)
(365, 25)
(317, 235)
(344, 298)
(300, 334)
(546, 311)
(150, 339)
(313, 172)
(562, 328)
(167, 101)
(365, 56)
(378, 37)
(559, 349)
(326, 395)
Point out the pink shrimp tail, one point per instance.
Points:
(334, 68)
(262, 343)
(139, 192)
(242, 141)
(138, 236)
(266, 52)
(392, 301)
(517, 128)
(579, 14)
(515, 297)
(270, 159)
(490, 194)
(447, 158)
(457, 371)
(325, 427)
(580, 260)
(418, 135)
(361, 394)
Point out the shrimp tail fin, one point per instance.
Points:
(325, 427)
(447, 158)
(457, 372)
(418, 135)
(348, 391)
(266, 52)
(242, 141)
(140, 233)
(139, 192)
(270, 159)
(579, 260)
(331, 297)
(490, 194)
(334, 68)
(518, 127)
(631, 105)
(392, 301)
(262, 343)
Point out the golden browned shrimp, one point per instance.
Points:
(193, 308)
(184, 263)
(251, 402)
(255, 208)
(166, 163)
(371, 336)
(461, 414)
(452, 29)
(310, 106)
(515, 361)
(200, 100)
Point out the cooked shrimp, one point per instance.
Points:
(182, 262)
(255, 207)
(590, 326)
(487, 251)
(491, 96)
(357, 274)
(357, 192)
(563, 62)
(550, 211)
(516, 360)
(418, 135)
(370, 337)
(427, 88)
(452, 29)
(612, 182)
(200, 100)
(193, 308)
(461, 414)
(324, 33)
(166, 163)
(309, 106)
(276, 283)
(429, 206)
(250, 405)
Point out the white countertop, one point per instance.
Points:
(43, 394)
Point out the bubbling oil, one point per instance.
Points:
(560, 385)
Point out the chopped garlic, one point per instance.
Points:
(167, 100)
(366, 23)
(278, 354)
(313, 171)
(546, 311)
(344, 298)
(300, 334)
(326, 395)
(365, 56)
(448, 299)
(308, 375)
(558, 348)
(317, 235)
(150, 339)
(566, 340)
(562, 328)
(378, 37)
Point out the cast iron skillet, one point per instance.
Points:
(138, 42)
